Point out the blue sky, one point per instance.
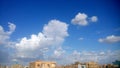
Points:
(71, 27)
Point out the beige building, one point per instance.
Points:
(17, 66)
(75, 65)
(42, 64)
(110, 66)
(82, 65)
(92, 65)
(3, 66)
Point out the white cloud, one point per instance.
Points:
(81, 38)
(5, 43)
(58, 52)
(56, 30)
(110, 39)
(12, 27)
(5, 35)
(103, 57)
(94, 19)
(38, 47)
(53, 34)
(82, 19)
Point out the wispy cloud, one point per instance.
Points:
(5, 43)
(101, 57)
(81, 38)
(5, 35)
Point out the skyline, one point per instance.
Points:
(59, 31)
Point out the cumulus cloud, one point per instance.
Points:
(56, 30)
(110, 39)
(82, 19)
(53, 34)
(47, 45)
(94, 19)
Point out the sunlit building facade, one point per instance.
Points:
(42, 64)
(17, 66)
(91, 65)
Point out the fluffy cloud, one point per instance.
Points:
(110, 39)
(51, 36)
(46, 45)
(94, 19)
(37, 46)
(56, 30)
(82, 19)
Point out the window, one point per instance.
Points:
(82, 66)
(48, 65)
(53, 65)
(38, 65)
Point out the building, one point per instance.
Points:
(91, 65)
(3, 66)
(75, 65)
(110, 66)
(17, 66)
(116, 64)
(82, 65)
(26, 66)
(42, 64)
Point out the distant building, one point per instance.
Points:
(42, 64)
(3, 66)
(75, 65)
(17, 66)
(92, 65)
(26, 66)
(81, 65)
(110, 66)
(116, 64)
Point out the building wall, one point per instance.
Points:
(76, 65)
(110, 66)
(42, 64)
(83, 66)
(16, 66)
(92, 65)
(3, 66)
